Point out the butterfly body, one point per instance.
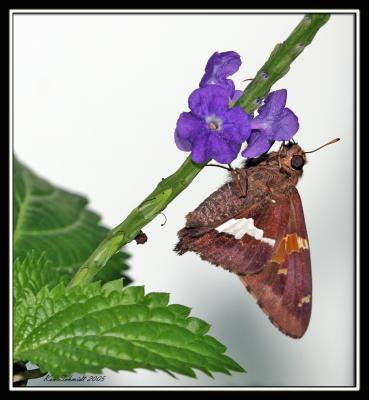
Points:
(254, 226)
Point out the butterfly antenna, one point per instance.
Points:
(331, 142)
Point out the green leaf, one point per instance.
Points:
(83, 330)
(52, 223)
(30, 275)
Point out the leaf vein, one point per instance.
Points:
(64, 229)
(22, 208)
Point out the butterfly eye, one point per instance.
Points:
(297, 162)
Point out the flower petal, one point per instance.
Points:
(221, 150)
(237, 95)
(187, 128)
(209, 71)
(220, 66)
(286, 126)
(263, 125)
(228, 63)
(182, 144)
(209, 100)
(188, 125)
(273, 104)
(200, 148)
(258, 143)
(236, 125)
(228, 85)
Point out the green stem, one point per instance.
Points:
(154, 204)
(275, 68)
(279, 61)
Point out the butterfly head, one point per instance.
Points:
(292, 158)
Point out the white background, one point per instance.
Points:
(96, 99)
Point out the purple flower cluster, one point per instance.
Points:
(274, 122)
(214, 130)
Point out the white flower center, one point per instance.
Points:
(214, 122)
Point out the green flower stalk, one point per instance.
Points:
(169, 188)
(280, 60)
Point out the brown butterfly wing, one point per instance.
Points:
(237, 252)
(283, 289)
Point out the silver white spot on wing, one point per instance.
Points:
(242, 226)
(305, 299)
(302, 243)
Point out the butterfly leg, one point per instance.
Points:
(241, 181)
(281, 148)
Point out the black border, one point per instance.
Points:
(210, 12)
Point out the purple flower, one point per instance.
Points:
(218, 68)
(211, 129)
(274, 122)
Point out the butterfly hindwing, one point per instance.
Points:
(283, 288)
